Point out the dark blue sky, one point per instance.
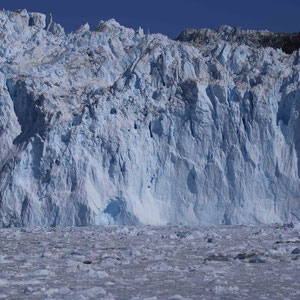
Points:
(170, 16)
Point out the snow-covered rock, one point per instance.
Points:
(113, 126)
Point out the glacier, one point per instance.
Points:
(114, 126)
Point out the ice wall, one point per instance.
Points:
(113, 126)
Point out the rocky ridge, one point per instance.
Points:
(113, 126)
(287, 42)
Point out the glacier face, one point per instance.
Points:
(113, 126)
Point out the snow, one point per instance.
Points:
(145, 262)
(113, 126)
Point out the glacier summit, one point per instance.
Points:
(114, 126)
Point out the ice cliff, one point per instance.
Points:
(114, 126)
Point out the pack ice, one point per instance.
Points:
(114, 126)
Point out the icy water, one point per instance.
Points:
(150, 263)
